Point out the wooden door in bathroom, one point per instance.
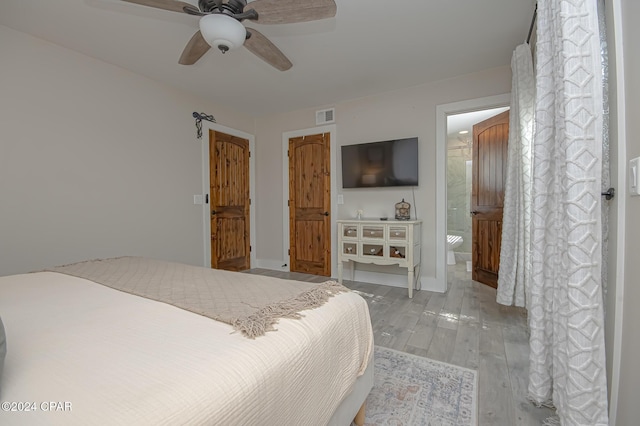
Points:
(310, 204)
(490, 138)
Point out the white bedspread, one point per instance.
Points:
(122, 359)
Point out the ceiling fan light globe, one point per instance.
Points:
(222, 31)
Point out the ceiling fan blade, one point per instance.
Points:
(194, 50)
(260, 46)
(172, 5)
(291, 11)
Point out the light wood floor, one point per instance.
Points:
(465, 327)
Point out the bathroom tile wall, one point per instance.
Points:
(459, 196)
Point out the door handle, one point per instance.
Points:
(474, 212)
(213, 212)
(325, 213)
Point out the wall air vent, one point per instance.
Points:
(325, 116)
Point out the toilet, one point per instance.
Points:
(453, 241)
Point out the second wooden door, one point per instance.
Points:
(310, 204)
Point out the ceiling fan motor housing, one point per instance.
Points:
(232, 7)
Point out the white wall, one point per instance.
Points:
(95, 161)
(403, 113)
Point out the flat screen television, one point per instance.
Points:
(380, 164)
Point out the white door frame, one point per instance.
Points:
(621, 194)
(206, 222)
(442, 111)
(331, 129)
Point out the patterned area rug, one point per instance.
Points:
(410, 390)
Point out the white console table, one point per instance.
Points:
(381, 242)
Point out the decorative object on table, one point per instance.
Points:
(413, 390)
(403, 210)
(359, 214)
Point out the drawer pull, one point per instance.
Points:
(397, 233)
(349, 249)
(373, 250)
(373, 232)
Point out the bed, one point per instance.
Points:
(82, 351)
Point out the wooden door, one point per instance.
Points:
(310, 204)
(490, 138)
(230, 203)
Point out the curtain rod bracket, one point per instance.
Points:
(533, 21)
(199, 117)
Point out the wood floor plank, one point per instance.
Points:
(526, 413)
(424, 330)
(442, 344)
(450, 312)
(395, 327)
(495, 400)
(466, 350)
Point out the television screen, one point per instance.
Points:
(377, 164)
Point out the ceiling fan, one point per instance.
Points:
(221, 24)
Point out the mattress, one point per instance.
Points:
(82, 353)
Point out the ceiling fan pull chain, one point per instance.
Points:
(199, 117)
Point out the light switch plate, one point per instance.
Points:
(197, 199)
(340, 199)
(634, 176)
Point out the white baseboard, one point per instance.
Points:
(431, 284)
(393, 280)
(273, 264)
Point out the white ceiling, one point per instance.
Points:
(371, 46)
(465, 121)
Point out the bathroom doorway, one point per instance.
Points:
(459, 188)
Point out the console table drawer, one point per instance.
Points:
(399, 252)
(350, 231)
(373, 250)
(350, 249)
(398, 233)
(373, 232)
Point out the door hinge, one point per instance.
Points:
(288, 203)
(289, 252)
(249, 201)
(249, 249)
(206, 199)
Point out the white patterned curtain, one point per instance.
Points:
(515, 252)
(567, 360)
